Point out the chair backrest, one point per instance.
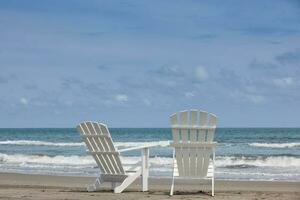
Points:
(192, 130)
(100, 145)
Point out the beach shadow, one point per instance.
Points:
(148, 193)
(85, 191)
(200, 192)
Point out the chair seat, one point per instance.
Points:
(113, 177)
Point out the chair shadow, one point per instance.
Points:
(192, 193)
(152, 192)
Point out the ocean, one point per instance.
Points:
(242, 153)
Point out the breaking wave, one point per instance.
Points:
(76, 144)
(226, 161)
(39, 143)
(259, 161)
(276, 145)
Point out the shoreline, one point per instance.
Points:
(28, 186)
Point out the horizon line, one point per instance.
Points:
(148, 127)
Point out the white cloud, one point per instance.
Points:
(121, 98)
(147, 102)
(255, 98)
(169, 71)
(189, 95)
(201, 73)
(24, 101)
(284, 82)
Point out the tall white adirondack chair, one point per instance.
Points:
(100, 145)
(194, 149)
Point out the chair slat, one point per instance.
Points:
(175, 131)
(202, 123)
(212, 123)
(193, 123)
(199, 167)
(193, 138)
(194, 127)
(184, 136)
(206, 157)
(178, 155)
(186, 160)
(193, 161)
(183, 122)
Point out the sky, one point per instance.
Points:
(134, 63)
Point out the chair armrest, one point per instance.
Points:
(140, 147)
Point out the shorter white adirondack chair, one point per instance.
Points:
(100, 145)
(194, 149)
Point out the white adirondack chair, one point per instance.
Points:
(100, 145)
(193, 134)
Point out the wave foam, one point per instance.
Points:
(39, 143)
(271, 161)
(276, 145)
(22, 159)
(157, 162)
(69, 161)
(75, 144)
(260, 168)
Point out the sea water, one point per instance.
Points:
(241, 154)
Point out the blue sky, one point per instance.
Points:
(133, 63)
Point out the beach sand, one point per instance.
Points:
(23, 186)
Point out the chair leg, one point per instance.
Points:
(213, 176)
(213, 186)
(145, 169)
(172, 186)
(96, 186)
(130, 179)
(173, 174)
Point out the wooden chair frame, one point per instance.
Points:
(194, 149)
(100, 145)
